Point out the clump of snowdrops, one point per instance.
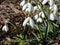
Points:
(40, 18)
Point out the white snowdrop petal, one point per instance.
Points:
(39, 20)
(26, 10)
(23, 3)
(5, 28)
(50, 7)
(24, 7)
(31, 23)
(43, 16)
(55, 8)
(51, 3)
(30, 7)
(26, 21)
(52, 17)
(36, 17)
(39, 6)
(44, 2)
(35, 7)
(40, 13)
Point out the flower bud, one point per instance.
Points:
(5, 28)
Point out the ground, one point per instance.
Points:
(10, 9)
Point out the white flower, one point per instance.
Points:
(36, 17)
(28, 21)
(44, 2)
(42, 14)
(52, 17)
(51, 3)
(37, 7)
(5, 28)
(28, 7)
(55, 8)
(23, 3)
(39, 20)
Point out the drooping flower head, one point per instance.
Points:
(28, 21)
(28, 7)
(5, 28)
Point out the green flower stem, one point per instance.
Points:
(15, 27)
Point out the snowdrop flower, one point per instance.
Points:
(51, 3)
(25, 21)
(39, 20)
(55, 9)
(42, 14)
(37, 7)
(5, 28)
(36, 17)
(28, 21)
(52, 17)
(28, 7)
(56, 16)
(23, 3)
(44, 2)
